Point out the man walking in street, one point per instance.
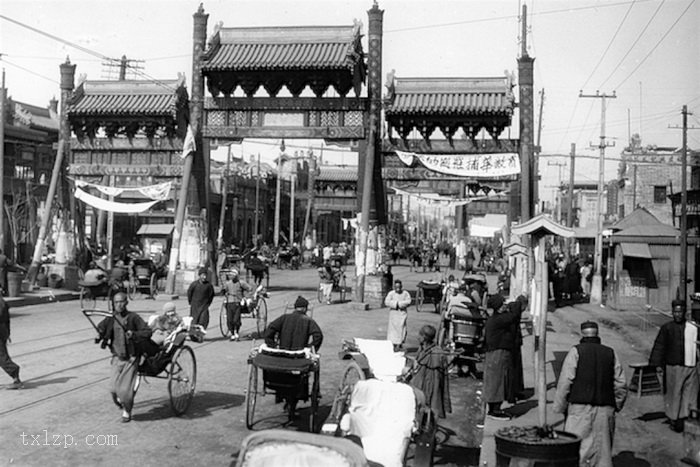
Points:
(10, 367)
(675, 351)
(590, 391)
(200, 295)
(235, 290)
(398, 301)
(124, 332)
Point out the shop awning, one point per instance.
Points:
(637, 250)
(156, 229)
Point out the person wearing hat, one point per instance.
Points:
(125, 333)
(200, 295)
(499, 344)
(294, 331)
(429, 372)
(675, 352)
(591, 389)
(398, 301)
(162, 324)
(235, 290)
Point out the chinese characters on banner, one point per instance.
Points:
(467, 165)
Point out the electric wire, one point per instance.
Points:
(639, 36)
(658, 43)
(3, 60)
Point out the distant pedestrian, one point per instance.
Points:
(675, 352)
(10, 367)
(6, 264)
(398, 301)
(591, 389)
(499, 341)
(200, 295)
(236, 291)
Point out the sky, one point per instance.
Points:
(646, 51)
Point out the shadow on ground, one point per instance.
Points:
(203, 405)
(629, 459)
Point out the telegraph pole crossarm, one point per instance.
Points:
(597, 283)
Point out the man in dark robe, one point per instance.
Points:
(200, 295)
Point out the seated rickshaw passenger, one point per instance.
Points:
(165, 323)
(95, 275)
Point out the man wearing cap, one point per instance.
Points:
(199, 296)
(293, 331)
(125, 333)
(398, 301)
(235, 290)
(675, 351)
(591, 389)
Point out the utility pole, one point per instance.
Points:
(597, 283)
(224, 197)
(559, 166)
(257, 203)
(310, 195)
(570, 202)
(683, 292)
(278, 194)
(2, 162)
(292, 174)
(536, 161)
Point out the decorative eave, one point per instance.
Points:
(450, 104)
(272, 57)
(129, 107)
(542, 225)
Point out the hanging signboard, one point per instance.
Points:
(466, 165)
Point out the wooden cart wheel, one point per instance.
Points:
(420, 298)
(315, 395)
(223, 320)
(343, 290)
(352, 374)
(153, 285)
(261, 315)
(251, 396)
(182, 380)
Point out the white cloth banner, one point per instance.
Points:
(467, 165)
(189, 146)
(434, 199)
(112, 206)
(157, 192)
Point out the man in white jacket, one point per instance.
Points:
(398, 301)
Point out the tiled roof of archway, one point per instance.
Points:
(284, 48)
(337, 174)
(451, 96)
(128, 97)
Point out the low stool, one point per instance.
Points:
(645, 380)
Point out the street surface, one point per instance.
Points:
(65, 416)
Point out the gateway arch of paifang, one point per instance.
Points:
(264, 60)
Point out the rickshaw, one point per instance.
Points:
(145, 276)
(282, 447)
(286, 258)
(257, 266)
(90, 292)
(429, 292)
(373, 365)
(286, 374)
(174, 361)
(255, 307)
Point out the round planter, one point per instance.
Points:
(560, 452)
(14, 284)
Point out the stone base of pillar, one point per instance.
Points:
(376, 288)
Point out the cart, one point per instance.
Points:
(461, 331)
(174, 362)
(90, 292)
(286, 374)
(145, 276)
(429, 292)
(255, 307)
(257, 266)
(355, 395)
(282, 447)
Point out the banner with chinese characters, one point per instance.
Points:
(434, 199)
(467, 165)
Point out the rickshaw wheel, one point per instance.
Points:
(251, 396)
(343, 291)
(154, 285)
(87, 300)
(182, 380)
(223, 320)
(313, 416)
(352, 374)
(261, 315)
(420, 298)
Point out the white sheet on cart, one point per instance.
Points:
(381, 414)
(385, 364)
